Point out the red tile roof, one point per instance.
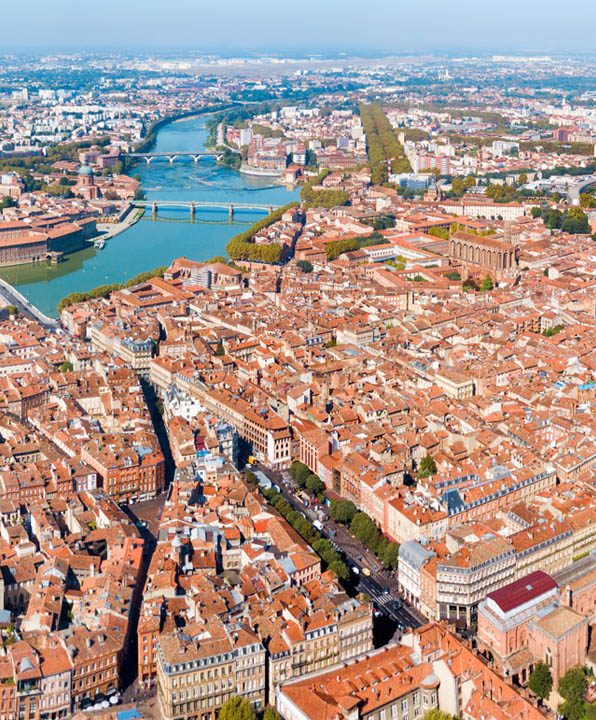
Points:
(522, 591)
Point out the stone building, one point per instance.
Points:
(523, 623)
(20, 244)
(492, 254)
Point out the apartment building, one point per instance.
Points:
(199, 670)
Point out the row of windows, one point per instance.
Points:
(92, 679)
(94, 666)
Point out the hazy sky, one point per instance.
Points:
(387, 25)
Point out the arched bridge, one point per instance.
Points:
(194, 206)
(171, 156)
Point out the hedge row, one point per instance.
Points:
(322, 198)
(384, 150)
(242, 246)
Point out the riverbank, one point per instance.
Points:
(150, 139)
(145, 245)
(260, 172)
(110, 230)
(13, 297)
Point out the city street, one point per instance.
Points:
(146, 516)
(381, 585)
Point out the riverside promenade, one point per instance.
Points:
(14, 297)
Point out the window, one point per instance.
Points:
(404, 704)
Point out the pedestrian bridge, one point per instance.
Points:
(230, 208)
(196, 155)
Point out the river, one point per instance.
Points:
(150, 243)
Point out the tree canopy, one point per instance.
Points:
(271, 714)
(243, 247)
(305, 266)
(487, 284)
(384, 150)
(572, 687)
(437, 714)
(326, 198)
(314, 484)
(541, 680)
(427, 467)
(237, 708)
(299, 472)
(342, 511)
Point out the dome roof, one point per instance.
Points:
(85, 170)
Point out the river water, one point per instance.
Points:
(149, 242)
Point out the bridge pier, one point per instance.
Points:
(270, 209)
(192, 212)
(154, 210)
(172, 158)
(148, 160)
(231, 213)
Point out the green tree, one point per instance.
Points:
(391, 556)
(572, 687)
(220, 350)
(575, 222)
(587, 201)
(299, 471)
(551, 331)
(365, 530)
(384, 150)
(536, 211)
(487, 284)
(271, 714)
(541, 680)
(437, 714)
(573, 683)
(314, 484)
(305, 266)
(242, 246)
(342, 511)
(454, 276)
(501, 193)
(340, 569)
(573, 708)
(523, 179)
(66, 367)
(553, 219)
(427, 467)
(237, 708)
(335, 248)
